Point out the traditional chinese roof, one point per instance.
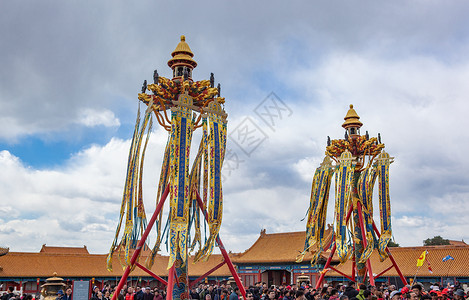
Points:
(277, 248)
(44, 263)
(406, 259)
(352, 118)
(458, 243)
(269, 248)
(64, 250)
(284, 247)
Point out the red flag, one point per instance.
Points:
(429, 267)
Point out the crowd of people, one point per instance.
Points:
(131, 293)
(260, 291)
(350, 291)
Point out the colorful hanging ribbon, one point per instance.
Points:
(132, 199)
(181, 136)
(365, 193)
(315, 226)
(217, 146)
(342, 201)
(382, 163)
(195, 176)
(162, 184)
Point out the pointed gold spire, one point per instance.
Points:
(352, 119)
(183, 47)
(182, 56)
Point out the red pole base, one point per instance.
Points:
(141, 243)
(223, 251)
(362, 230)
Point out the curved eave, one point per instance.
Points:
(349, 123)
(182, 52)
(182, 62)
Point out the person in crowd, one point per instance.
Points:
(279, 294)
(122, 292)
(107, 287)
(287, 295)
(315, 296)
(351, 290)
(270, 295)
(265, 294)
(294, 289)
(307, 292)
(344, 297)
(68, 294)
(218, 291)
(256, 292)
(405, 291)
(100, 296)
(95, 292)
(147, 294)
(434, 295)
(193, 294)
(129, 295)
(379, 295)
(361, 293)
(333, 294)
(324, 294)
(395, 295)
(60, 295)
(342, 289)
(413, 296)
(158, 296)
(458, 294)
(208, 289)
(368, 295)
(235, 294)
(300, 295)
(138, 293)
(417, 289)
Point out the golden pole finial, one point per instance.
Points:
(183, 38)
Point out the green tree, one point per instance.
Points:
(392, 244)
(435, 241)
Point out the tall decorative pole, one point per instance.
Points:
(180, 105)
(357, 162)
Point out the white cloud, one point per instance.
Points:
(412, 230)
(91, 118)
(75, 204)
(407, 82)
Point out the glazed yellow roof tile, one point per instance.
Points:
(269, 248)
(277, 248)
(64, 250)
(406, 259)
(24, 264)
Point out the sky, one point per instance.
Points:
(70, 72)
